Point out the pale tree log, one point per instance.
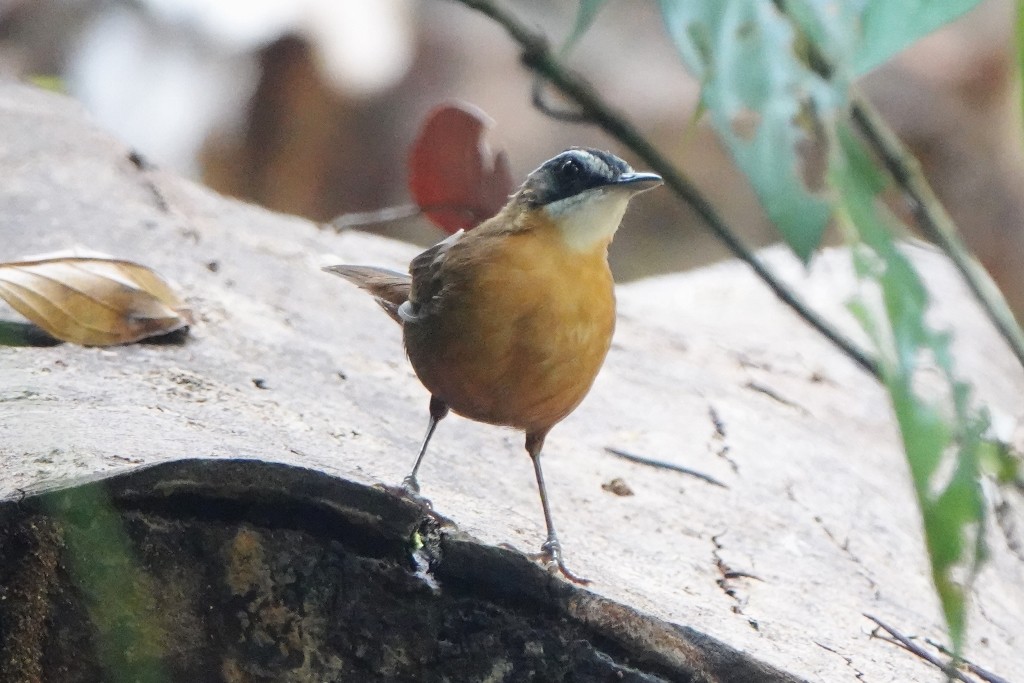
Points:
(286, 364)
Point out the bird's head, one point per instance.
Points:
(584, 193)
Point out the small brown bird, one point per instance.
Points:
(510, 322)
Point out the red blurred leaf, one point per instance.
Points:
(453, 175)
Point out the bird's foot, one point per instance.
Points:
(409, 489)
(411, 486)
(550, 556)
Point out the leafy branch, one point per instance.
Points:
(934, 221)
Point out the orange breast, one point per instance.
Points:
(522, 332)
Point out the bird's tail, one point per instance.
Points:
(389, 288)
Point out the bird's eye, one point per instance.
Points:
(565, 176)
(571, 168)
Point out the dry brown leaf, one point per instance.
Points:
(93, 301)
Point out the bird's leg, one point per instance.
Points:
(438, 410)
(551, 551)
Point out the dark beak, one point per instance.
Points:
(638, 182)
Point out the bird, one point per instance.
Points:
(509, 323)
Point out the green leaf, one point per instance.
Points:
(775, 76)
(1000, 462)
(584, 19)
(942, 437)
(887, 26)
(765, 102)
(49, 82)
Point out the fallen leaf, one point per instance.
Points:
(454, 177)
(93, 301)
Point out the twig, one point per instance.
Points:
(643, 460)
(978, 671)
(774, 395)
(385, 215)
(948, 668)
(934, 221)
(538, 57)
(542, 105)
(396, 213)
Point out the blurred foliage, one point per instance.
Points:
(753, 108)
(883, 27)
(129, 634)
(776, 80)
(584, 18)
(775, 75)
(14, 333)
(943, 435)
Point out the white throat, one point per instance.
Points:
(589, 218)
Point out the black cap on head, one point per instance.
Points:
(577, 170)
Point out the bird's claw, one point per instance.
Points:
(410, 493)
(550, 556)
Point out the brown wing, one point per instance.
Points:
(390, 289)
(427, 281)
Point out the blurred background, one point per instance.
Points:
(309, 106)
